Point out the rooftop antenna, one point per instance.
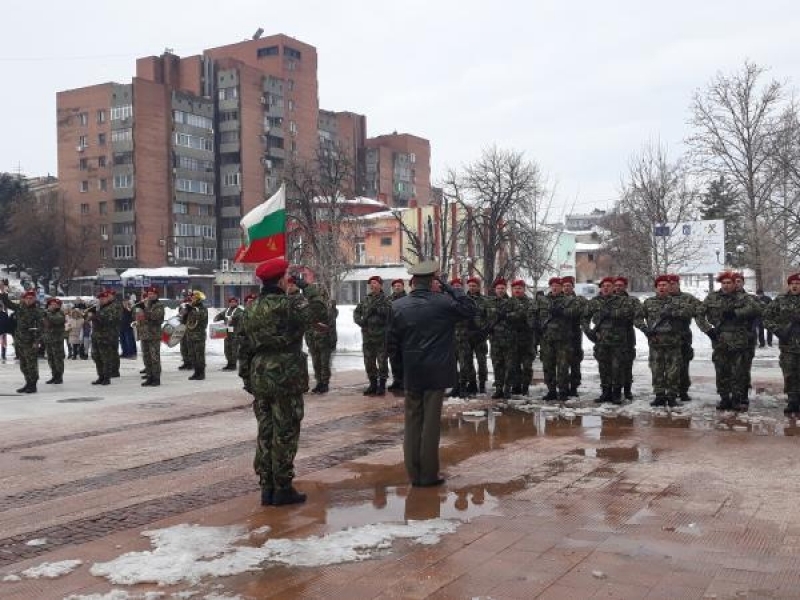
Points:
(259, 32)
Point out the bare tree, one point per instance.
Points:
(321, 224)
(655, 194)
(736, 120)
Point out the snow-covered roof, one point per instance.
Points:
(583, 247)
(362, 274)
(383, 214)
(159, 272)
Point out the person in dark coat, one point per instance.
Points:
(422, 329)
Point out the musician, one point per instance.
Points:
(232, 316)
(53, 326)
(28, 317)
(196, 321)
(105, 336)
(183, 311)
(149, 317)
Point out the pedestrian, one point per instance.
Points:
(27, 334)
(149, 318)
(524, 323)
(764, 300)
(232, 317)
(116, 311)
(126, 338)
(86, 337)
(423, 329)
(74, 329)
(782, 318)
(186, 359)
(372, 315)
(478, 344)
(105, 336)
(659, 319)
(396, 362)
(629, 356)
(53, 326)
(196, 326)
(321, 335)
(726, 318)
(689, 311)
(555, 316)
(275, 369)
(6, 329)
(503, 339)
(574, 318)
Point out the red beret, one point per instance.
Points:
(605, 280)
(518, 283)
(499, 281)
(661, 278)
(29, 294)
(455, 281)
(621, 278)
(738, 275)
(112, 292)
(568, 279)
(794, 277)
(249, 297)
(375, 278)
(474, 280)
(673, 278)
(233, 299)
(102, 294)
(400, 281)
(725, 275)
(274, 268)
(557, 280)
(53, 301)
(151, 290)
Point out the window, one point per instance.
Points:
(231, 201)
(124, 252)
(227, 137)
(193, 141)
(101, 116)
(103, 253)
(267, 51)
(193, 186)
(290, 65)
(102, 207)
(412, 158)
(122, 135)
(123, 205)
(83, 164)
(229, 223)
(193, 230)
(209, 253)
(84, 187)
(204, 210)
(84, 209)
(102, 185)
(193, 120)
(101, 161)
(292, 127)
(270, 122)
(590, 257)
(231, 179)
(291, 52)
(123, 181)
(123, 158)
(193, 164)
(290, 84)
(228, 93)
(180, 208)
(101, 139)
(83, 119)
(386, 241)
(103, 230)
(83, 142)
(290, 105)
(124, 228)
(228, 115)
(121, 112)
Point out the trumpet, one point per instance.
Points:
(89, 312)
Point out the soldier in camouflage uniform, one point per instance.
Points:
(576, 352)
(500, 310)
(232, 317)
(275, 370)
(396, 360)
(53, 327)
(105, 336)
(555, 315)
(116, 306)
(782, 318)
(524, 324)
(738, 280)
(478, 346)
(611, 317)
(186, 359)
(660, 320)
(691, 308)
(321, 335)
(726, 317)
(28, 316)
(372, 315)
(196, 325)
(621, 289)
(149, 318)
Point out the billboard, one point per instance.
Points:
(698, 246)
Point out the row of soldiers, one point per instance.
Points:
(553, 324)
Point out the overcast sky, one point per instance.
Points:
(577, 86)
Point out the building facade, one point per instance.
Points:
(397, 170)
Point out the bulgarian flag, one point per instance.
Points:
(264, 230)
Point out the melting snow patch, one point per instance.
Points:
(191, 552)
(52, 570)
(36, 542)
(122, 595)
(11, 577)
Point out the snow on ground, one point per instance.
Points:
(52, 570)
(125, 595)
(188, 553)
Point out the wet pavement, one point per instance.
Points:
(574, 501)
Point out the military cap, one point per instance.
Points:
(377, 278)
(793, 277)
(426, 268)
(518, 283)
(568, 279)
(738, 275)
(674, 278)
(661, 278)
(607, 280)
(555, 280)
(249, 297)
(274, 268)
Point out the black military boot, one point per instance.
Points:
(229, 367)
(472, 388)
(793, 407)
(148, 381)
(51, 380)
(267, 494)
(482, 386)
(573, 391)
(739, 403)
(98, 381)
(659, 400)
(507, 392)
(516, 389)
(526, 389)
(627, 391)
(685, 397)
(671, 401)
(498, 394)
(563, 394)
(323, 388)
(551, 395)
(23, 389)
(616, 395)
(455, 392)
(105, 381)
(199, 375)
(185, 367)
(725, 402)
(315, 389)
(289, 495)
(58, 379)
(396, 385)
(143, 372)
(30, 388)
(372, 389)
(381, 391)
(114, 374)
(605, 395)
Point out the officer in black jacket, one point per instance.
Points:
(422, 330)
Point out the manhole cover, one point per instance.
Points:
(32, 457)
(81, 399)
(155, 405)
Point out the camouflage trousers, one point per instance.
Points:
(55, 357)
(665, 368)
(523, 367)
(687, 355)
(628, 358)
(504, 356)
(231, 348)
(731, 368)
(28, 354)
(790, 365)
(576, 359)
(102, 351)
(466, 369)
(751, 354)
(320, 352)
(151, 355)
(376, 362)
(114, 357)
(610, 364)
(279, 421)
(185, 356)
(197, 352)
(557, 358)
(479, 349)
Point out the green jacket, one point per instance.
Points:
(196, 322)
(607, 320)
(29, 320)
(661, 319)
(732, 315)
(782, 317)
(105, 323)
(556, 317)
(373, 314)
(53, 325)
(149, 329)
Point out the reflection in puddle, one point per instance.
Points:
(640, 453)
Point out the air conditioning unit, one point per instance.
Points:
(263, 99)
(225, 264)
(104, 236)
(80, 148)
(268, 163)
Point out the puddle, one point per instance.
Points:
(155, 405)
(81, 399)
(639, 453)
(32, 457)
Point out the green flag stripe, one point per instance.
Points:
(272, 224)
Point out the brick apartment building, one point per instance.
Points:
(162, 169)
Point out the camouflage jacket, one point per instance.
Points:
(732, 315)
(690, 306)
(53, 326)
(524, 318)
(556, 316)
(272, 361)
(576, 314)
(232, 318)
(782, 317)
(477, 326)
(636, 306)
(105, 323)
(149, 329)
(321, 315)
(662, 318)
(397, 295)
(29, 319)
(196, 322)
(373, 314)
(612, 317)
(500, 312)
